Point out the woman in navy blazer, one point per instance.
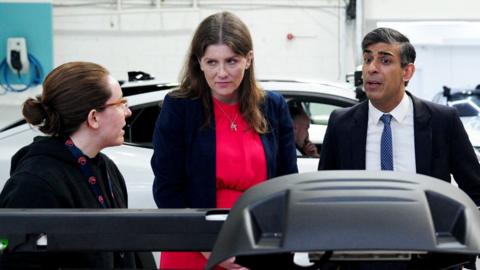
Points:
(184, 151)
(202, 127)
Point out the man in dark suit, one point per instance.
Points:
(394, 130)
(425, 137)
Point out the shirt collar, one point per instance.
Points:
(399, 113)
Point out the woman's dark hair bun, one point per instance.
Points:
(34, 111)
(39, 114)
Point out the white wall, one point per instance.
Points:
(445, 33)
(453, 66)
(422, 10)
(156, 40)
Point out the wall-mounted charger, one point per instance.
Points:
(19, 61)
(17, 55)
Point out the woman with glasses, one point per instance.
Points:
(82, 111)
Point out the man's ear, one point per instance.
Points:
(408, 72)
(92, 119)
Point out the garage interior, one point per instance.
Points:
(297, 39)
(304, 40)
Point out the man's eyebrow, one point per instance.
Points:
(385, 53)
(380, 52)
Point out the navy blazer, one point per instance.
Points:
(442, 146)
(184, 161)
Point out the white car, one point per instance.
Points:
(145, 101)
(467, 104)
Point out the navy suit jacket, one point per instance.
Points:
(442, 146)
(184, 151)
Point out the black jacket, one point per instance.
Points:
(442, 146)
(45, 174)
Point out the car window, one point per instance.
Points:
(319, 112)
(140, 126)
(319, 108)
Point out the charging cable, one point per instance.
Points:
(36, 75)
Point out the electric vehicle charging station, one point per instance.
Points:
(20, 64)
(17, 55)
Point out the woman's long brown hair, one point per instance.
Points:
(222, 28)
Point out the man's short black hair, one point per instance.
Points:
(295, 108)
(390, 36)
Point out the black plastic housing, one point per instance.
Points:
(354, 215)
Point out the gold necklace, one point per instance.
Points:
(233, 125)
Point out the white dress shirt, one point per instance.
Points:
(403, 139)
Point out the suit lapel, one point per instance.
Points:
(359, 137)
(423, 136)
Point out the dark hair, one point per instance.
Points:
(296, 110)
(222, 28)
(70, 92)
(390, 36)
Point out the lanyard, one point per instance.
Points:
(86, 168)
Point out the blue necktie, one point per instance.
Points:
(386, 153)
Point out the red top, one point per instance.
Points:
(240, 158)
(240, 164)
